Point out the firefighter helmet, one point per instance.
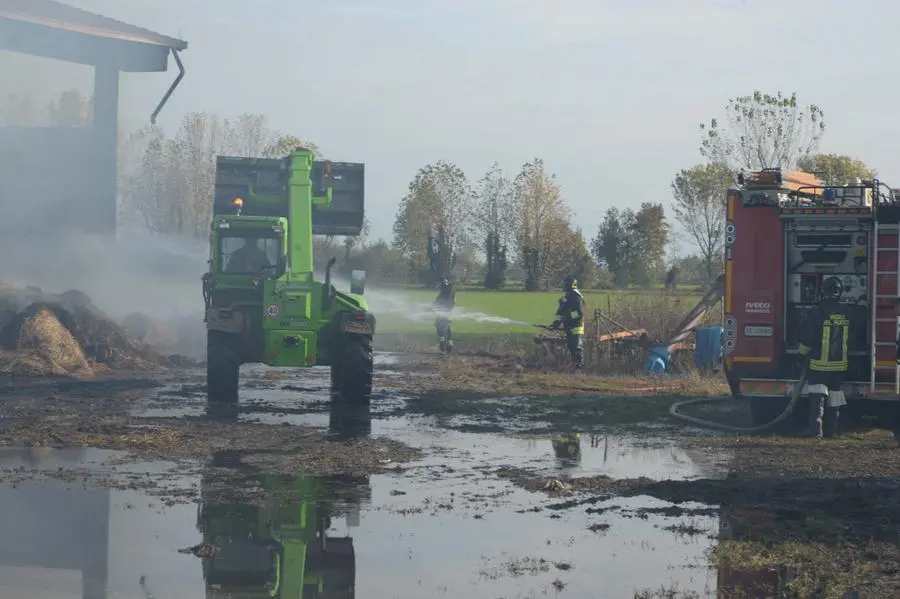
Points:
(831, 289)
(570, 282)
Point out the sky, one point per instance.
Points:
(609, 93)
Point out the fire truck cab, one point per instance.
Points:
(786, 233)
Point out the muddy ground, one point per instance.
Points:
(451, 441)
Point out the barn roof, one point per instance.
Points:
(56, 30)
(57, 15)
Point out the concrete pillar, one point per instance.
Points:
(102, 218)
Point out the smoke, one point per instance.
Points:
(156, 275)
(58, 228)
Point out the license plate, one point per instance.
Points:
(757, 331)
(356, 327)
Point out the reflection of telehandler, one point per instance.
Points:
(280, 549)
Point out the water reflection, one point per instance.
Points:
(348, 420)
(766, 580)
(567, 449)
(53, 537)
(284, 544)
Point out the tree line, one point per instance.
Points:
(500, 230)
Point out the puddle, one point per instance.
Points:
(444, 526)
(458, 522)
(392, 536)
(61, 539)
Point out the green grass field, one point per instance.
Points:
(400, 311)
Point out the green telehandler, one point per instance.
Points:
(263, 304)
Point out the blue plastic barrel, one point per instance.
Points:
(708, 345)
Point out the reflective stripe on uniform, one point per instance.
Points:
(577, 330)
(826, 366)
(823, 364)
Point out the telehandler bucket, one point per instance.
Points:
(244, 177)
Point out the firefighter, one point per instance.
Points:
(824, 340)
(444, 303)
(570, 317)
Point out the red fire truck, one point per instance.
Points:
(786, 233)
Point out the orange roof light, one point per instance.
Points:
(238, 202)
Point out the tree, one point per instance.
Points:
(699, 207)
(836, 169)
(612, 245)
(575, 259)
(649, 235)
(632, 245)
(71, 109)
(167, 184)
(434, 220)
(282, 145)
(353, 243)
(763, 131)
(326, 247)
(495, 224)
(542, 223)
(467, 263)
(382, 263)
(692, 269)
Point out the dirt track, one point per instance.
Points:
(825, 511)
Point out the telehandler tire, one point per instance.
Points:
(223, 365)
(352, 369)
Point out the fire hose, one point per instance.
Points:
(795, 398)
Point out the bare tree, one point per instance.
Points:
(699, 206)
(495, 224)
(169, 189)
(282, 145)
(252, 135)
(763, 131)
(542, 223)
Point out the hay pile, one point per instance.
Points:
(65, 335)
(38, 343)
